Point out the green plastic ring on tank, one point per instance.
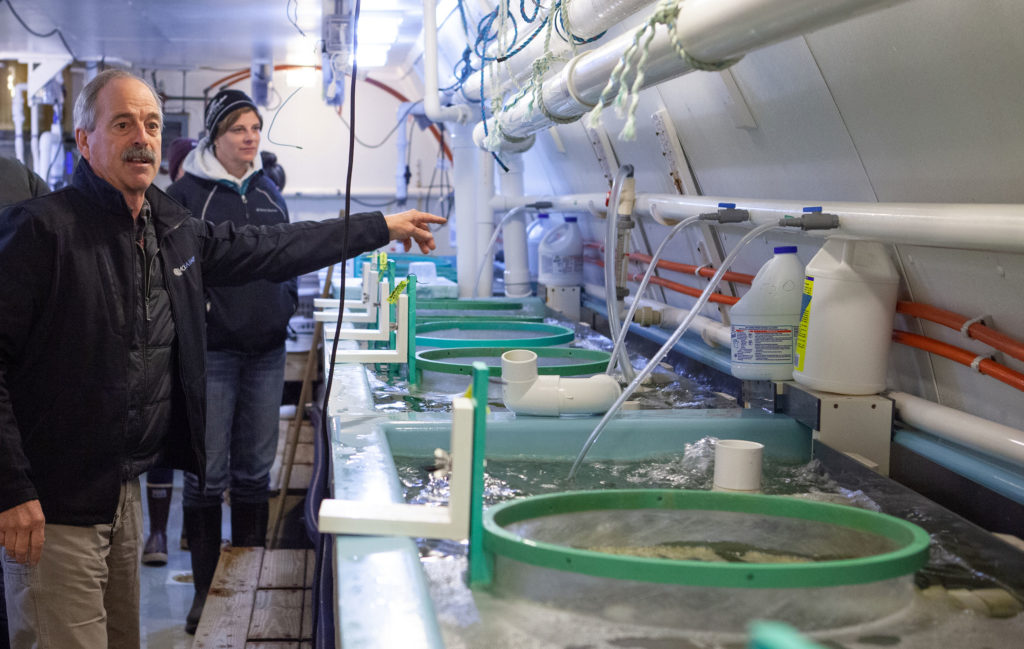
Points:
(545, 334)
(452, 304)
(910, 554)
(443, 360)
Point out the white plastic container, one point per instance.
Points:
(534, 234)
(849, 300)
(766, 319)
(561, 255)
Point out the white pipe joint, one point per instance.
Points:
(526, 393)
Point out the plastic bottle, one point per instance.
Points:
(765, 320)
(534, 234)
(560, 255)
(849, 300)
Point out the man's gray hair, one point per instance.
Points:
(85, 104)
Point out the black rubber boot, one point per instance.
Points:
(202, 527)
(249, 524)
(158, 497)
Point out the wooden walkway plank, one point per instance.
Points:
(283, 569)
(225, 620)
(277, 615)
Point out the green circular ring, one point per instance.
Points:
(557, 334)
(911, 554)
(435, 360)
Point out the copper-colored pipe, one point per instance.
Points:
(955, 321)
(673, 286)
(986, 366)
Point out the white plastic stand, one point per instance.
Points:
(382, 316)
(417, 521)
(398, 355)
(372, 298)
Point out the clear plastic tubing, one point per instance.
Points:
(610, 240)
(621, 338)
(669, 344)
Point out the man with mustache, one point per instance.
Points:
(102, 360)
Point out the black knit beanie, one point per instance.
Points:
(223, 103)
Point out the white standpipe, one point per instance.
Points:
(738, 465)
(484, 220)
(431, 100)
(517, 265)
(526, 393)
(34, 142)
(18, 117)
(466, 174)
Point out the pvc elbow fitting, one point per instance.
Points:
(524, 392)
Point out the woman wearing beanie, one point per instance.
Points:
(246, 331)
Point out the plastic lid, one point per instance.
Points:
(570, 219)
(542, 215)
(815, 208)
(780, 250)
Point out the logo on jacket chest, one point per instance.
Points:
(180, 270)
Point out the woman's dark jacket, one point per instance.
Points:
(68, 292)
(253, 317)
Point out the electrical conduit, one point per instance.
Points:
(670, 343)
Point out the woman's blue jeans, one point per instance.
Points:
(243, 403)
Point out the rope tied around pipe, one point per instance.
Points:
(634, 61)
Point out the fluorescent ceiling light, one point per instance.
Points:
(372, 55)
(378, 27)
(301, 77)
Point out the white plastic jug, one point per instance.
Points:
(849, 300)
(766, 318)
(534, 234)
(561, 255)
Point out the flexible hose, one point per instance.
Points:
(669, 344)
(512, 213)
(620, 339)
(610, 296)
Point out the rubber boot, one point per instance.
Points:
(158, 496)
(202, 527)
(249, 524)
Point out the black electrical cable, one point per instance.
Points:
(323, 546)
(35, 33)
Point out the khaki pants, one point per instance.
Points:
(84, 593)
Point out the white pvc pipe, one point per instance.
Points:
(465, 174)
(34, 142)
(738, 465)
(993, 227)
(484, 221)
(517, 270)
(961, 427)
(709, 30)
(18, 117)
(431, 99)
(583, 203)
(587, 18)
(712, 332)
(526, 393)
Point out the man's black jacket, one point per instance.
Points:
(67, 294)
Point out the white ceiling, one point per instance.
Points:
(186, 34)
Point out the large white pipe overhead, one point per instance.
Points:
(484, 221)
(431, 100)
(711, 31)
(961, 427)
(587, 18)
(983, 226)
